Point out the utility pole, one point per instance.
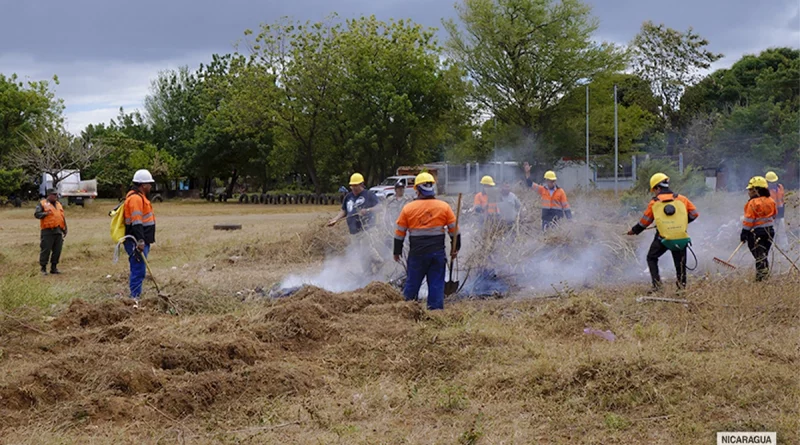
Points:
(616, 145)
(587, 135)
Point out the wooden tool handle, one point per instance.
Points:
(458, 215)
(734, 252)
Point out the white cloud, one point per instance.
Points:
(93, 91)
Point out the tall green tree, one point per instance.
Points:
(565, 127)
(26, 108)
(398, 97)
(746, 117)
(304, 59)
(172, 111)
(524, 55)
(671, 61)
(361, 95)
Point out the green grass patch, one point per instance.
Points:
(32, 291)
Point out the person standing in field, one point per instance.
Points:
(757, 226)
(358, 208)
(554, 200)
(140, 223)
(53, 225)
(672, 214)
(426, 221)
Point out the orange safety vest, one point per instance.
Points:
(53, 219)
(138, 211)
(777, 194)
(759, 212)
(426, 217)
(558, 200)
(482, 200)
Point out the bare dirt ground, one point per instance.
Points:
(79, 365)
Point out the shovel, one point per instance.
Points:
(451, 287)
(728, 263)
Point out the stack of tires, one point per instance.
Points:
(285, 198)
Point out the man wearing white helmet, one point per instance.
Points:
(140, 223)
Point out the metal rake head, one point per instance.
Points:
(724, 263)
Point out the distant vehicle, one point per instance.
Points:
(386, 188)
(71, 187)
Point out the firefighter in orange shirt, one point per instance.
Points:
(426, 221)
(672, 214)
(778, 194)
(485, 201)
(554, 200)
(140, 223)
(757, 225)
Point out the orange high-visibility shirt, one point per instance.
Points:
(482, 201)
(759, 212)
(556, 200)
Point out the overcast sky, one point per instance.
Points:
(106, 52)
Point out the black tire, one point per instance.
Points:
(157, 198)
(242, 198)
(262, 199)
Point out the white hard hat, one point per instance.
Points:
(143, 177)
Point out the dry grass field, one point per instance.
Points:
(79, 365)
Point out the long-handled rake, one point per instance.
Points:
(728, 263)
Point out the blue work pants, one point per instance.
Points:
(431, 266)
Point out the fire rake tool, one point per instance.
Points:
(728, 263)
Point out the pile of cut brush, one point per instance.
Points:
(499, 258)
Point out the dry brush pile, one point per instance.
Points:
(365, 366)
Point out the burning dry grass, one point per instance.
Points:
(365, 366)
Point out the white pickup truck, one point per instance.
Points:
(71, 187)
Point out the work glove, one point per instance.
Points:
(744, 236)
(140, 245)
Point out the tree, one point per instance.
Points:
(524, 55)
(564, 132)
(123, 156)
(172, 112)
(57, 153)
(671, 61)
(234, 138)
(398, 99)
(304, 61)
(364, 95)
(25, 108)
(746, 117)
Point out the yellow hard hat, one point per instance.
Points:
(757, 181)
(356, 179)
(771, 177)
(550, 175)
(658, 178)
(423, 178)
(487, 180)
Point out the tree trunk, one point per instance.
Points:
(312, 174)
(234, 178)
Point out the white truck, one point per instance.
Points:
(71, 187)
